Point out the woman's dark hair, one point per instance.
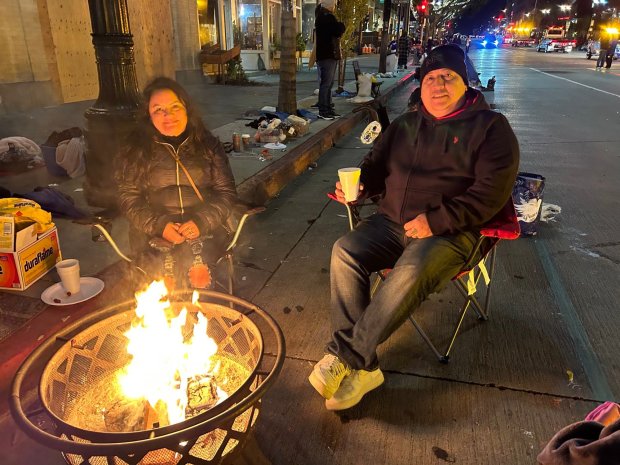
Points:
(138, 144)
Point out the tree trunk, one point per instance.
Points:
(387, 9)
(287, 96)
(342, 67)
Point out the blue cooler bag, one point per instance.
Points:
(527, 197)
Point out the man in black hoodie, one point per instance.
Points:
(442, 171)
(328, 33)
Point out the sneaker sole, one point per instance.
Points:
(319, 386)
(353, 401)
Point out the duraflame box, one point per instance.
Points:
(23, 267)
(12, 240)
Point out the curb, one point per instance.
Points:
(268, 182)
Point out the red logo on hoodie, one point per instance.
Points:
(455, 140)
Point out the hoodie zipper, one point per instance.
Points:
(416, 156)
(175, 154)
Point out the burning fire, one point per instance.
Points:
(170, 354)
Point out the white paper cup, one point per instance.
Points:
(350, 182)
(69, 272)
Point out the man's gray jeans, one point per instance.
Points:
(419, 268)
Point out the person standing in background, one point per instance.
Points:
(467, 44)
(328, 33)
(602, 53)
(403, 51)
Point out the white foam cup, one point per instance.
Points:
(69, 272)
(350, 182)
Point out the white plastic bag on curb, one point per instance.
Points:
(391, 61)
(365, 85)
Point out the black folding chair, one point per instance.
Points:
(234, 223)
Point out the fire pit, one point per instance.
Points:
(108, 394)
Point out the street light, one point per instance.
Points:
(565, 7)
(546, 11)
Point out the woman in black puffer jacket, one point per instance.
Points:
(155, 192)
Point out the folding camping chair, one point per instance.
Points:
(481, 263)
(234, 224)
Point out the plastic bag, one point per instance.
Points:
(25, 213)
(365, 85)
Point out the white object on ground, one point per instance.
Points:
(549, 212)
(358, 99)
(391, 62)
(268, 108)
(365, 85)
(89, 288)
(275, 146)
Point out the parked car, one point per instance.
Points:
(555, 45)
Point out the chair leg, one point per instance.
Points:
(487, 299)
(429, 343)
(462, 288)
(462, 313)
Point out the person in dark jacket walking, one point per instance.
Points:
(403, 51)
(441, 171)
(328, 33)
(174, 181)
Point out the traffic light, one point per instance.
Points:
(423, 8)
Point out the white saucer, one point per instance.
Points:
(89, 288)
(275, 146)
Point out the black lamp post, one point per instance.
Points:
(113, 115)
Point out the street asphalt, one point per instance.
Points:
(545, 358)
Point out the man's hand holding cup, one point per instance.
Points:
(348, 188)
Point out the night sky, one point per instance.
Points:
(474, 18)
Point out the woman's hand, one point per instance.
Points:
(340, 194)
(171, 233)
(418, 228)
(189, 230)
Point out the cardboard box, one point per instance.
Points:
(11, 241)
(30, 258)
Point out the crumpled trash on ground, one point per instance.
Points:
(549, 212)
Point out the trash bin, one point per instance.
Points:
(527, 197)
(49, 155)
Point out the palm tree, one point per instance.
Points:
(287, 95)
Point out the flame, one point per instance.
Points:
(165, 358)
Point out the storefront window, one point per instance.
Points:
(307, 21)
(207, 21)
(251, 21)
(275, 17)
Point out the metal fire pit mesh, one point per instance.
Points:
(96, 353)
